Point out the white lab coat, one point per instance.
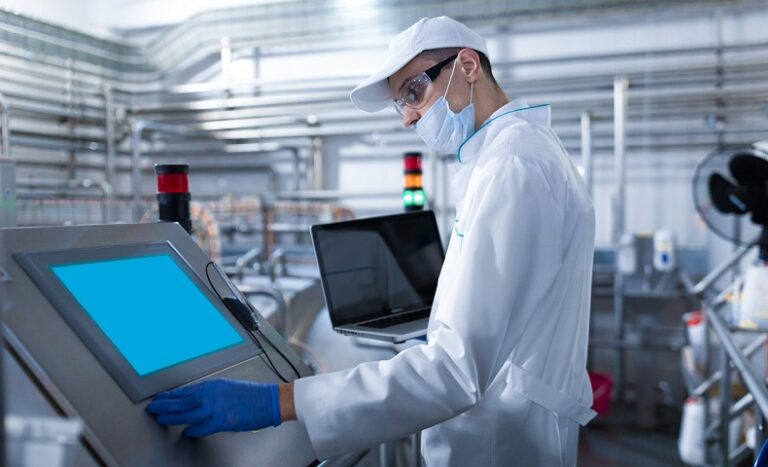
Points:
(502, 380)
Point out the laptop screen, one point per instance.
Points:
(378, 266)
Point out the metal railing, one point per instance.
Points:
(731, 358)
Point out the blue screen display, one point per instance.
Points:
(149, 309)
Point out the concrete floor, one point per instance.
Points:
(606, 446)
(615, 440)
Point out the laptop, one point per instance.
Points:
(379, 274)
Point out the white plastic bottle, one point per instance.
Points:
(627, 260)
(663, 251)
(690, 444)
(753, 309)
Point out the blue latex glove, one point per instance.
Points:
(762, 456)
(218, 405)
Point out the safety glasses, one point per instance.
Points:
(413, 89)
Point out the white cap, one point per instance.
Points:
(442, 32)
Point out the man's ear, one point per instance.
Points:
(470, 65)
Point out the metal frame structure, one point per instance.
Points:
(5, 131)
(620, 105)
(731, 358)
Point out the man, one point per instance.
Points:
(502, 378)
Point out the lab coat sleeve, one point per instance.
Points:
(510, 251)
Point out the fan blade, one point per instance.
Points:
(725, 195)
(749, 169)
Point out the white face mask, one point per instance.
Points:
(441, 128)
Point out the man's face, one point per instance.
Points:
(457, 97)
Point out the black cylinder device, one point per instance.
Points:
(173, 194)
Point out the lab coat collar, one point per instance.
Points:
(461, 171)
(517, 108)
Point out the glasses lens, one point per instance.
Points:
(398, 105)
(413, 91)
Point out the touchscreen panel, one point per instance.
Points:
(149, 309)
(147, 316)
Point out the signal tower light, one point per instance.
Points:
(413, 190)
(173, 194)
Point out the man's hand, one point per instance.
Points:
(220, 405)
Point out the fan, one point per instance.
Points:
(729, 184)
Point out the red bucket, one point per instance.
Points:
(602, 385)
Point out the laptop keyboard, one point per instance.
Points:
(388, 321)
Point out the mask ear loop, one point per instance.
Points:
(450, 78)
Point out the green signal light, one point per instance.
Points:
(408, 198)
(418, 198)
